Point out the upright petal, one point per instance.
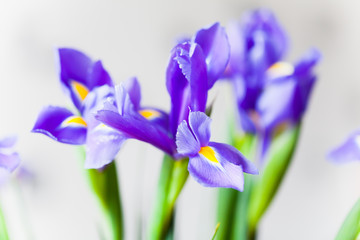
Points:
(132, 87)
(200, 126)
(61, 125)
(185, 141)
(214, 43)
(348, 151)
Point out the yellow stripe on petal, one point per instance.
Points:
(209, 153)
(149, 113)
(74, 121)
(80, 90)
(280, 69)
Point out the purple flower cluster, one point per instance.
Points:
(269, 93)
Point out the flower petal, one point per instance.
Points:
(348, 151)
(132, 87)
(8, 141)
(185, 140)
(227, 153)
(79, 74)
(61, 125)
(102, 145)
(215, 46)
(136, 126)
(200, 126)
(212, 174)
(9, 161)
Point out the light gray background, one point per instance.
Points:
(135, 38)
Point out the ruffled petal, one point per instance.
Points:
(185, 140)
(61, 125)
(200, 126)
(215, 46)
(348, 151)
(9, 161)
(102, 145)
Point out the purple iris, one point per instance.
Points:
(256, 43)
(271, 94)
(193, 69)
(88, 84)
(212, 164)
(9, 159)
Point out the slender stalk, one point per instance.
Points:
(106, 187)
(173, 176)
(3, 229)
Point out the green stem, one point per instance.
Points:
(3, 229)
(173, 176)
(106, 187)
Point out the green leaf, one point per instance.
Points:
(216, 230)
(105, 186)
(266, 184)
(173, 176)
(350, 229)
(3, 229)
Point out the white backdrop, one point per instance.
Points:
(135, 38)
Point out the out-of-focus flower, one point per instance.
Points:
(347, 151)
(212, 164)
(9, 158)
(88, 85)
(271, 94)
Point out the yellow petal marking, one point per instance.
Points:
(149, 113)
(80, 89)
(280, 69)
(209, 153)
(74, 120)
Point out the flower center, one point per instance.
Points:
(149, 113)
(80, 90)
(209, 153)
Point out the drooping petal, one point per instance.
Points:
(102, 145)
(200, 126)
(132, 87)
(136, 126)
(228, 153)
(348, 151)
(155, 116)
(217, 173)
(9, 161)
(215, 46)
(185, 141)
(61, 125)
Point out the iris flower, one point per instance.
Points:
(88, 85)
(212, 164)
(194, 67)
(271, 94)
(9, 159)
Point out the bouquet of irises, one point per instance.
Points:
(271, 96)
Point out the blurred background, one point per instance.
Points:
(134, 38)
